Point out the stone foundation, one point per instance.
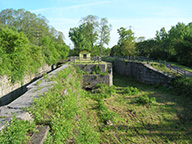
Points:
(90, 80)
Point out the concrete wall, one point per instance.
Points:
(142, 72)
(9, 91)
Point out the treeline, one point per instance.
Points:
(27, 42)
(174, 45)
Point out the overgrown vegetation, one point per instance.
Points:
(128, 112)
(61, 109)
(145, 100)
(182, 85)
(27, 42)
(163, 68)
(17, 132)
(174, 45)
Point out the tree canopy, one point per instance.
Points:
(126, 43)
(174, 45)
(27, 42)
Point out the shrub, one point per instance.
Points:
(182, 85)
(144, 100)
(131, 91)
(104, 90)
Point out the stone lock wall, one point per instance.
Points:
(140, 71)
(9, 91)
(34, 90)
(90, 80)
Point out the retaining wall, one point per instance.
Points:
(9, 91)
(34, 90)
(140, 71)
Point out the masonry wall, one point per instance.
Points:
(142, 72)
(34, 90)
(9, 91)
(91, 80)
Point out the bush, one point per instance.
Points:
(182, 85)
(104, 90)
(131, 91)
(145, 100)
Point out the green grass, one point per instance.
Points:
(147, 114)
(63, 112)
(18, 132)
(38, 82)
(167, 120)
(109, 59)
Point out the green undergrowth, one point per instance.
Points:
(60, 108)
(18, 132)
(109, 59)
(127, 112)
(132, 112)
(182, 85)
(95, 70)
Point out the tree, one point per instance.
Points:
(115, 51)
(104, 33)
(22, 51)
(126, 41)
(79, 37)
(91, 23)
(141, 39)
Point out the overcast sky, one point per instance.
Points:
(144, 16)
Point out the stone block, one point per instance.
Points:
(40, 136)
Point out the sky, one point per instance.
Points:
(144, 17)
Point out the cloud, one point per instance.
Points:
(69, 7)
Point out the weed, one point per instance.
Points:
(131, 91)
(16, 132)
(145, 100)
(182, 85)
(38, 82)
(104, 90)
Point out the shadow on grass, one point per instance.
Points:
(178, 129)
(162, 133)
